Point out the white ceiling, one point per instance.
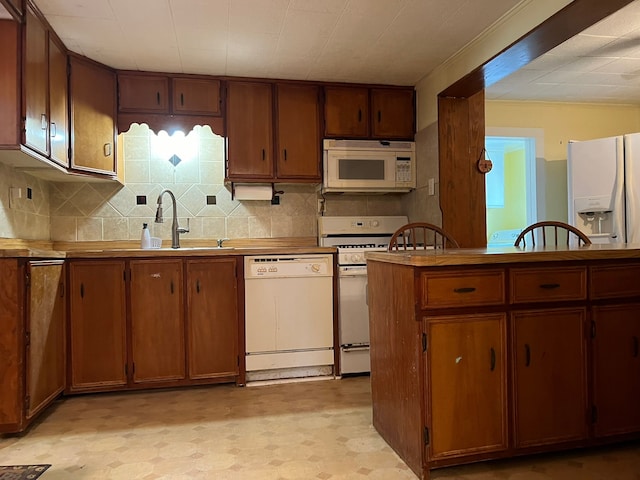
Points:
(601, 65)
(368, 41)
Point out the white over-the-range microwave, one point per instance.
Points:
(368, 166)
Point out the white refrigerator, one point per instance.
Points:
(603, 183)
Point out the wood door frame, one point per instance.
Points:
(461, 123)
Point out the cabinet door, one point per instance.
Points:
(58, 104)
(97, 323)
(467, 391)
(46, 314)
(616, 369)
(346, 112)
(157, 320)
(196, 96)
(212, 319)
(10, 103)
(36, 75)
(549, 376)
(298, 129)
(93, 105)
(249, 131)
(392, 113)
(143, 93)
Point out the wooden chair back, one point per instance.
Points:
(551, 233)
(421, 236)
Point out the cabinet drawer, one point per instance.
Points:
(462, 289)
(615, 281)
(548, 284)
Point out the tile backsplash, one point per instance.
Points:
(98, 211)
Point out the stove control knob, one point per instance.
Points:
(375, 223)
(355, 258)
(315, 267)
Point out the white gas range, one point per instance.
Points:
(354, 236)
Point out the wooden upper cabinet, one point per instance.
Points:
(10, 110)
(157, 321)
(298, 132)
(35, 82)
(346, 112)
(196, 96)
(45, 92)
(15, 8)
(93, 109)
(249, 131)
(97, 322)
(58, 104)
(392, 113)
(468, 369)
(143, 93)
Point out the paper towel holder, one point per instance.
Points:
(274, 192)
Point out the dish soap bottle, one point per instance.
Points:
(145, 240)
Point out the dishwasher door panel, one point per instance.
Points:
(285, 314)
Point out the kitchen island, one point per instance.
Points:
(479, 354)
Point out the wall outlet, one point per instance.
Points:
(15, 193)
(431, 186)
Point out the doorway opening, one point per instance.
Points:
(511, 197)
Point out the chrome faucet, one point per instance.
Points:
(175, 229)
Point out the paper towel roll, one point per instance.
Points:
(253, 192)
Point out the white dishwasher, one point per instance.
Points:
(288, 315)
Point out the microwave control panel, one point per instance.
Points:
(404, 175)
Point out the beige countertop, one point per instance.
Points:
(196, 252)
(495, 255)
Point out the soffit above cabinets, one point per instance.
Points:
(362, 41)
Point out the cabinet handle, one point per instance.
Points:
(549, 286)
(285, 154)
(171, 287)
(527, 355)
(82, 290)
(61, 289)
(593, 329)
(493, 359)
(263, 154)
(43, 121)
(379, 116)
(53, 131)
(464, 290)
(198, 286)
(635, 347)
(158, 97)
(182, 99)
(359, 115)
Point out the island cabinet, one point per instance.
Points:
(148, 323)
(489, 355)
(45, 91)
(32, 341)
(92, 90)
(615, 335)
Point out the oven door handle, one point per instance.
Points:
(355, 348)
(353, 271)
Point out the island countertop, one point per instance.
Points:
(493, 255)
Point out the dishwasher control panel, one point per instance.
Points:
(270, 266)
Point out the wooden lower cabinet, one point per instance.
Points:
(212, 319)
(616, 369)
(32, 339)
(97, 325)
(157, 321)
(467, 354)
(134, 325)
(549, 376)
